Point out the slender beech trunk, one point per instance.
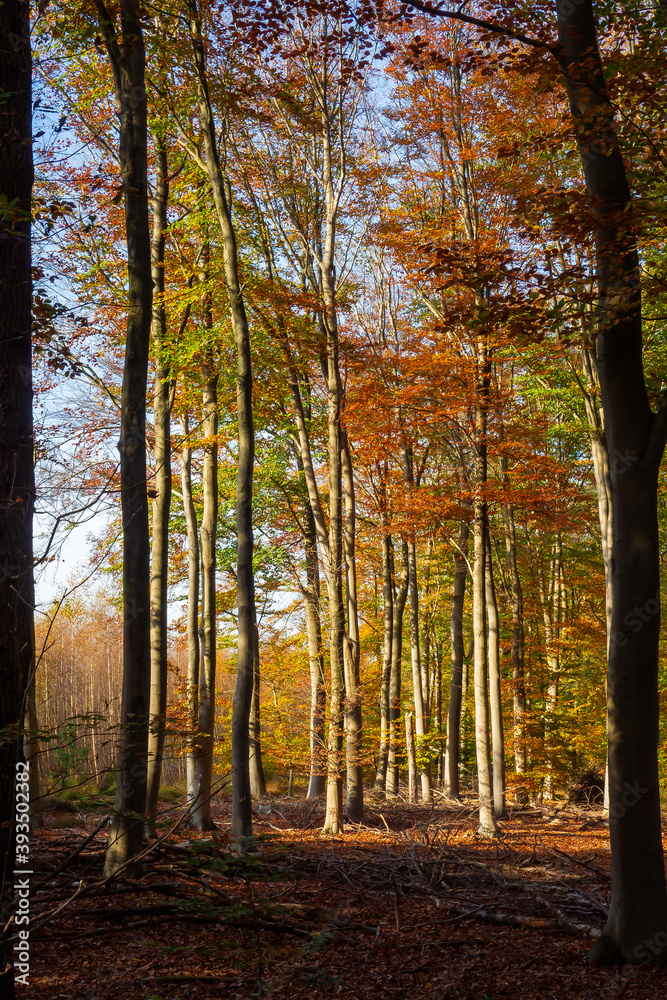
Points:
(637, 917)
(17, 481)
(316, 783)
(487, 823)
(192, 690)
(400, 597)
(200, 814)
(412, 757)
(457, 661)
(222, 198)
(127, 57)
(517, 654)
(495, 691)
(354, 803)
(162, 490)
(257, 782)
(550, 599)
(439, 714)
(421, 720)
(388, 597)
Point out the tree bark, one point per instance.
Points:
(487, 823)
(17, 480)
(495, 690)
(400, 597)
(192, 689)
(635, 929)
(354, 803)
(200, 814)
(388, 598)
(241, 797)
(412, 757)
(316, 783)
(127, 57)
(257, 781)
(517, 654)
(162, 487)
(457, 657)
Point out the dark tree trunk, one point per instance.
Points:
(162, 488)
(127, 57)
(635, 930)
(17, 483)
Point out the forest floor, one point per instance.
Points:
(411, 904)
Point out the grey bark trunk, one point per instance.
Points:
(192, 688)
(316, 783)
(200, 810)
(517, 654)
(127, 57)
(257, 781)
(412, 757)
(388, 598)
(162, 488)
(241, 797)
(487, 823)
(495, 691)
(400, 597)
(457, 657)
(354, 803)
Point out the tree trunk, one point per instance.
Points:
(162, 488)
(17, 481)
(458, 653)
(354, 804)
(127, 57)
(517, 655)
(497, 733)
(200, 814)
(487, 823)
(241, 798)
(421, 721)
(192, 689)
(316, 783)
(388, 597)
(400, 597)
(637, 918)
(412, 757)
(257, 782)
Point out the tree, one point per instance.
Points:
(17, 484)
(125, 47)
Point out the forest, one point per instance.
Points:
(332, 512)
